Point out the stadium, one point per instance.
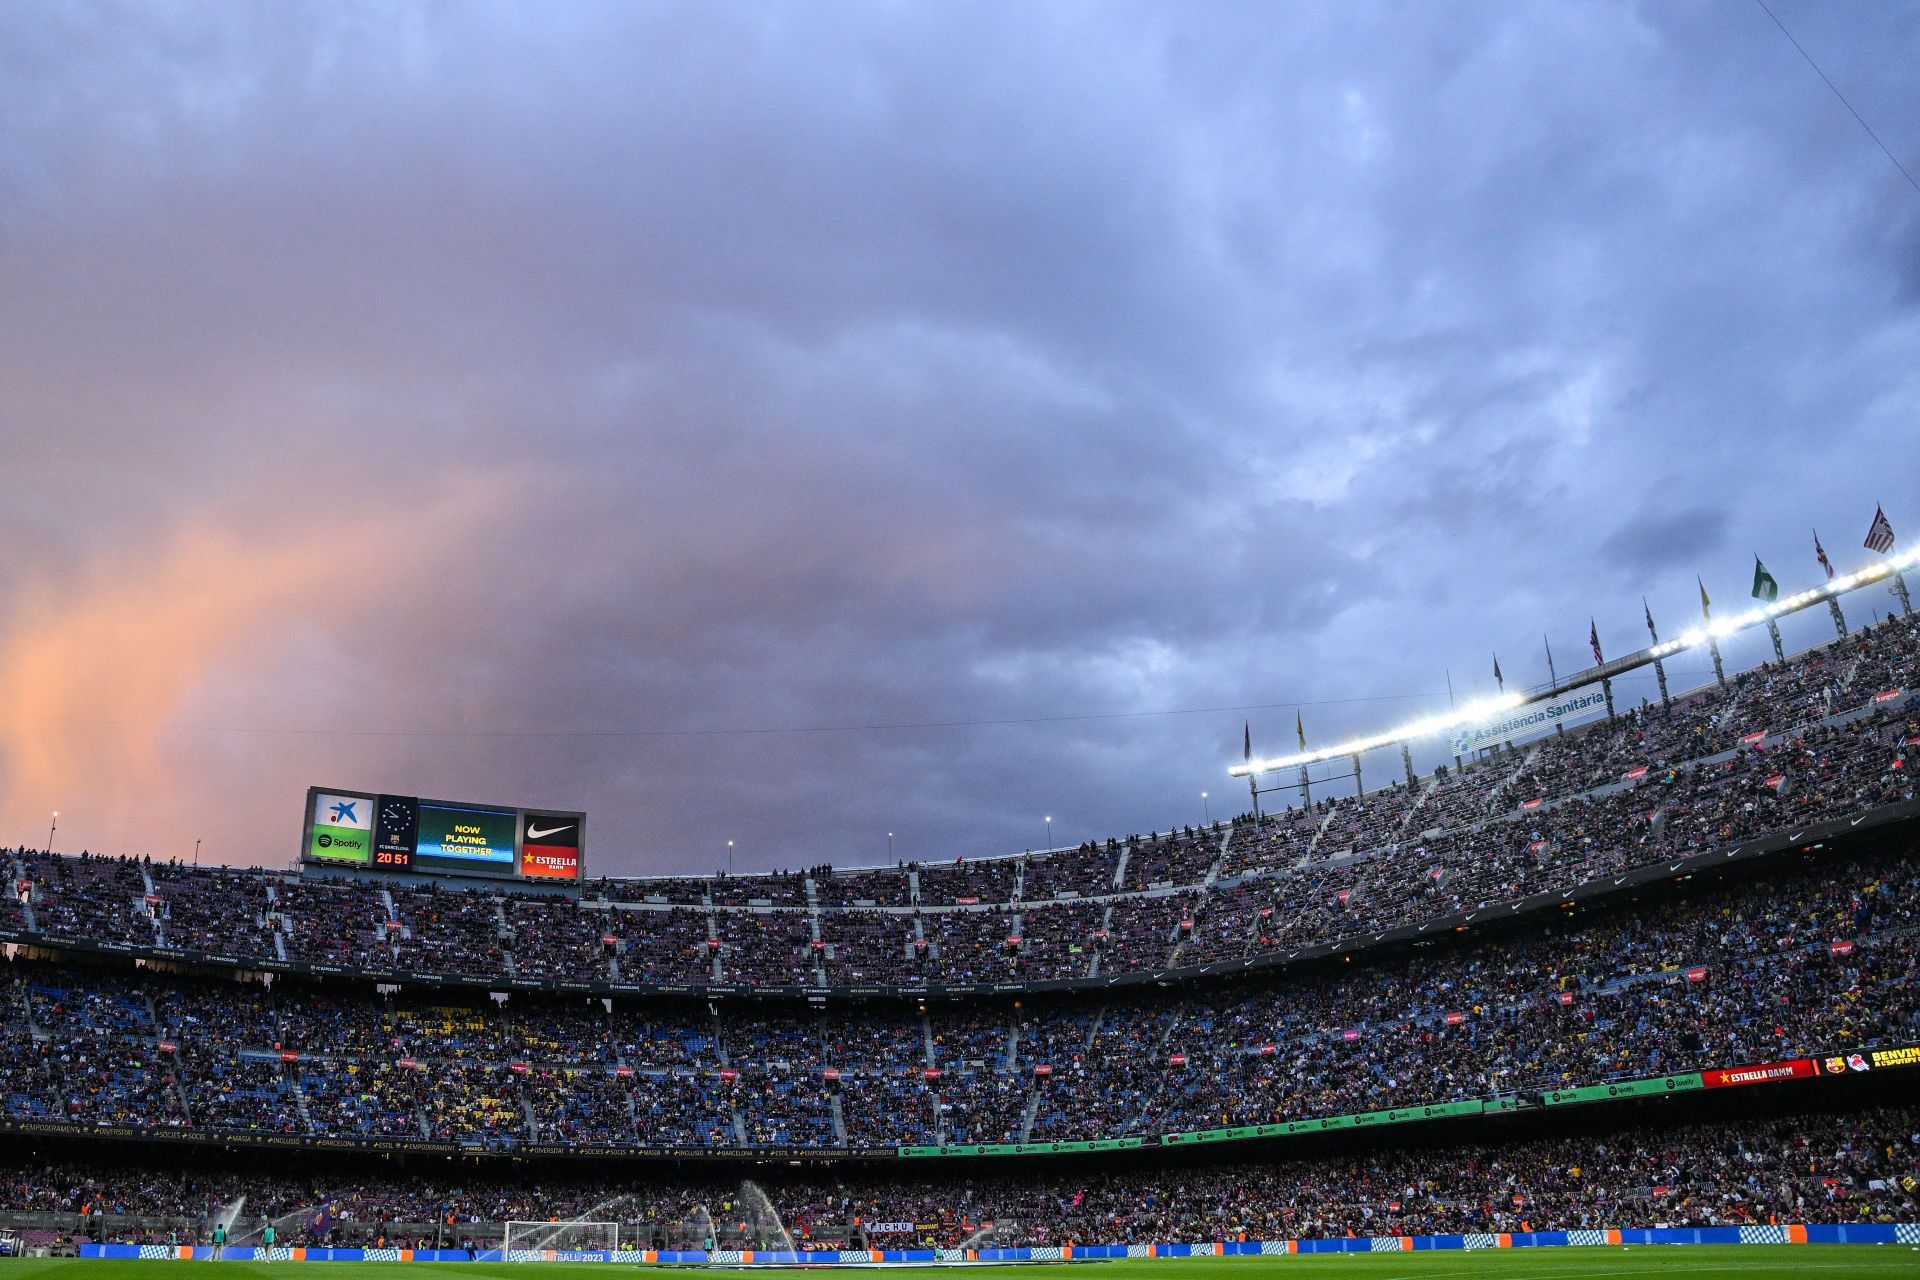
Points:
(1653, 978)
(1161, 639)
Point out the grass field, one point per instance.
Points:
(1721, 1262)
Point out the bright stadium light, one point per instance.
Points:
(1707, 631)
(1472, 713)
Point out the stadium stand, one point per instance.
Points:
(1821, 736)
(1103, 994)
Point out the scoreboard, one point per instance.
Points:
(407, 833)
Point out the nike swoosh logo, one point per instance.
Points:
(535, 833)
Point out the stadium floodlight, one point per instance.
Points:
(1708, 631)
(1472, 713)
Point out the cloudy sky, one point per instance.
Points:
(794, 423)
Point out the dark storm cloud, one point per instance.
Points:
(511, 374)
(1653, 539)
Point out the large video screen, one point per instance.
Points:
(407, 833)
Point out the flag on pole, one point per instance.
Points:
(1247, 750)
(1300, 730)
(1821, 553)
(1648, 610)
(1706, 605)
(1764, 587)
(1880, 533)
(1497, 677)
(1593, 638)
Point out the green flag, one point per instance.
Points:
(1764, 587)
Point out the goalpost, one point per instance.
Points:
(530, 1241)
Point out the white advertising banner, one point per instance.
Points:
(1532, 720)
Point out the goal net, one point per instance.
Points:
(536, 1241)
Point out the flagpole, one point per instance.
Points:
(1659, 667)
(1253, 780)
(1306, 782)
(1713, 641)
(1553, 677)
(1600, 660)
(1456, 755)
(1773, 628)
(1833, 602)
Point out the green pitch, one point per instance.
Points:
(1729, 1262)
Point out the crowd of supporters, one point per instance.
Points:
(1818, 955)
(1856, 1166)
(1823, 735)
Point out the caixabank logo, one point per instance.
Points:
(342, 827)
(550, 846)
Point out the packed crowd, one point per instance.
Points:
(1820, 956)
(1822, 735)
(1852, 1167)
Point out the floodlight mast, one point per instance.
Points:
(1887, 570)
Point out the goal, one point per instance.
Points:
(532, 1241)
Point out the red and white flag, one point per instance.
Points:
(1821, 552)
(1593, 638)
(1880, 534)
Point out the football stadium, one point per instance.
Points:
(1161, 639)
(1650, 978)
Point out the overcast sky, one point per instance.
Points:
(521, 402)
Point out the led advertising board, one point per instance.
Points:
(381, 832)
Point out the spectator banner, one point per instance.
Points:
(1905, 1056)
(1398, 1115)
(1871, 1060)
(1762, 1073)
(1532, 720)
(1624, 1089)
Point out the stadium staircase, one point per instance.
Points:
(1428, 786)
(180, 1096)
(1201, 899)
(819, 953)
(26, 908)
(1027, 1116)
(1106, 924)
(300, 1104)
(1120, 866)
(913, 885)
(713, 936)
(276, 920)
(1320, 831)
(839, 1120)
